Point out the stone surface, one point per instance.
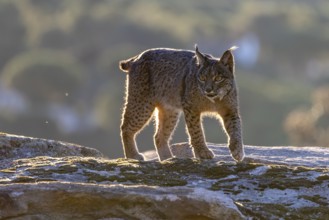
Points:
(284, 155)
(62, 200)
(14, 147)
(42, 179)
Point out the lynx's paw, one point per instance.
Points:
(237, 153)
(137, 156)
(164, 153)
(203, 153)
(165, 156)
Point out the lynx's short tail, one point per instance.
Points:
(125, 65)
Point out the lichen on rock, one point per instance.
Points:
(45, 179)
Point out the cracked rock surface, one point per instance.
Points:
(45, 179)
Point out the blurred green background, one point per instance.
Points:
(60, 80)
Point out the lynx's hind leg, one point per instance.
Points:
(165, 125)
(136, 115)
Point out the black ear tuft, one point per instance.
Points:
(200, 57)
(227, 59)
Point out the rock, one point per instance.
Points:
(67, 181)
(13, 146)
(104, 188)
(50, 200)
(284, 155)
(16, 147)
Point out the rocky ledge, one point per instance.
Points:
(45, 179)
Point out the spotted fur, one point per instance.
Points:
(175, 81)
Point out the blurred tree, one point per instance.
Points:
(311, 127)
(44, 75)
(13, 32)
(51, 82)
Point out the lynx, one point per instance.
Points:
(174, 81)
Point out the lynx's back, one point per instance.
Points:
(160, 73)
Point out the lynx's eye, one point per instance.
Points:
(218, 79)
(202, 78)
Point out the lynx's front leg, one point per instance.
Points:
(193, 123)
(232, 123)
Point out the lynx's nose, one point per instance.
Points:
(208, 91)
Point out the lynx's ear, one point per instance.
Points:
(227, 59)
(201, 59)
